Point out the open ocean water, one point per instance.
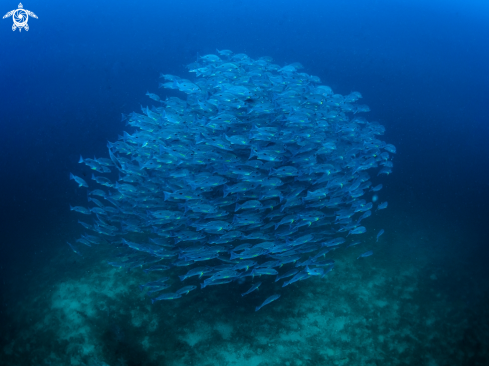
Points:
(260, 122)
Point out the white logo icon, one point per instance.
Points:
(20, 17)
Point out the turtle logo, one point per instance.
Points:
(20, 17)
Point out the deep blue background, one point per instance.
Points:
(422, 69)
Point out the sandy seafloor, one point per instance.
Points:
(416, 301)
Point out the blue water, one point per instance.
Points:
(422, 69)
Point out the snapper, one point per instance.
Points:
(254, 169)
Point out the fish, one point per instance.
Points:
(324, 263)
(98, 192)
(80, 181)
(264, 271)
(298, 277)
(85, 225)
(166, 296)
(358, 230)
(379, 234)
(199, 271)
(185, 290)
(366, 254)
(153, 96)
(155, 288)
(224, 52)
(74, 249)
(390, 148)
(386, 171)
(84, 241)
(213, 58)
(268, 301)
(286, 220)
(252, 204)
(160, 267)
(364, 216)
(382, 205)
(245, 169)
(94, 165)
(354, 243)
(376, 188)
(290, 273)
(155, 283)
(94, 239)
(315, 271)
(212, 282)
(81, 209)
(333, 242)
(103, 181)
(253, 288)
(246, 265)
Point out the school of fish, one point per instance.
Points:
(257, 170)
